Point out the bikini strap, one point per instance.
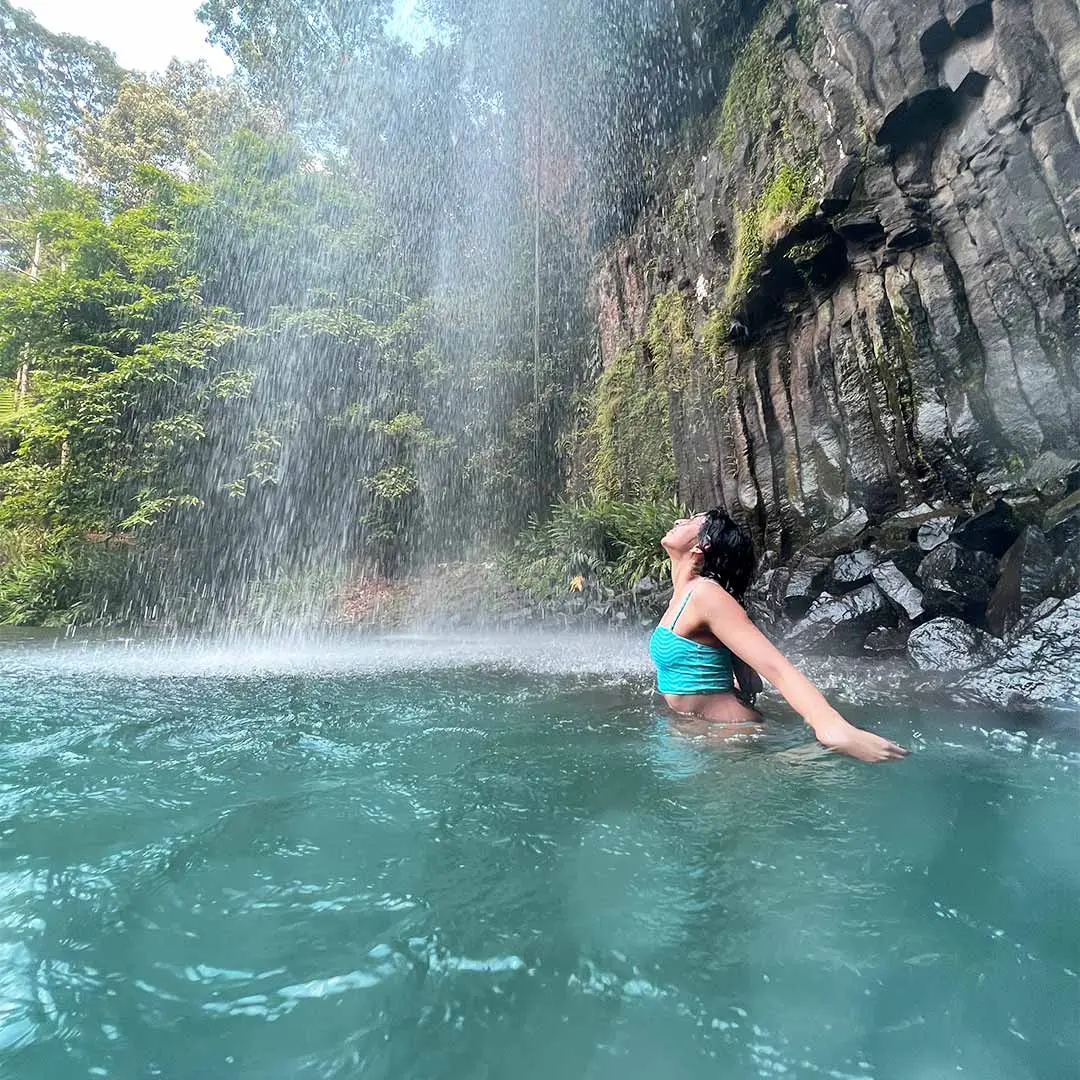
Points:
(686, 600)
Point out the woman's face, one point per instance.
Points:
(682, 537)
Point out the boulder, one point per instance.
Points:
(1065, 576)
(901, 526)
(934, 532)
(793, 589)
(840, 624)
(645, 586)
(841, 536)
(1050, 474)
(993, 529)
(887, 640)
(852, 569)
(1062, 521)
(957, 580)
(948, 644)
(1040, 663)
(1027, 572)
(894, 583)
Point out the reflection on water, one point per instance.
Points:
(430, 859)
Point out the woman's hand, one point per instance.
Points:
(837, 734)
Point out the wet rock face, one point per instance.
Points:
(902, 327)
(958, 580)
(949, 644)
(840, 625)
(1027, 578)
(1040, 663)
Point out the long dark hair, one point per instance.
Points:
(727, 552)
(728, 558)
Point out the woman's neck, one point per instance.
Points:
(683, 572)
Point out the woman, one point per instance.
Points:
(705, 638)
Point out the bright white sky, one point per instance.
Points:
(144, 34)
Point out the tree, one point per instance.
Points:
(48, 84)
(176, 121)
(123, 353)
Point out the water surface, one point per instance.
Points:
(453, 860)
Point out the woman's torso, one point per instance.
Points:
(694, 668)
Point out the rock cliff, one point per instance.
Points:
(861, 292)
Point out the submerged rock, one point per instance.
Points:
(949, 644)
(840, 624)
(887, 640)
(1040, 664)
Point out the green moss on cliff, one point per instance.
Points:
(630, 430)
(670, 338)
(782, 163)
(789, 197)
(753, 89)
(715, 349)
(787, 200)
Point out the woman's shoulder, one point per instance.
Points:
(711, 587)
(713, 593)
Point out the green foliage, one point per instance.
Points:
(175, 122)
(49, 84)
(392, 482)
(609, 544)
(119, 346)
(631, 430)
(55, 577)
(788, 198)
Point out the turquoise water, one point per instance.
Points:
(425, 861)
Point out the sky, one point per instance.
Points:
(144, 34)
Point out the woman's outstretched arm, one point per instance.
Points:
(730, 623)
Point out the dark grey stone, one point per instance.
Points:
(1027, 572)
(957, 580)
(841, 624)
(842, 535)
(949, 644)
(1062, 520)
(793, 589)
(895, 584)
(853, 568)
(1039, 665)
(935, 532)
(993, 529)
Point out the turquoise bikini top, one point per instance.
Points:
(688, 667)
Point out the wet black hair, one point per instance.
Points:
(727, 552)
